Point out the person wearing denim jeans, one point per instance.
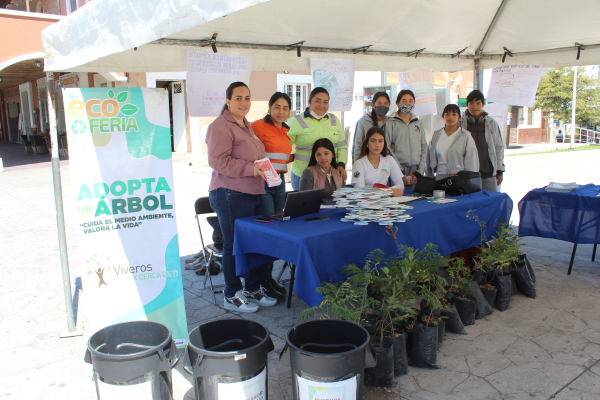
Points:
(272, 131)
(235, 190)
(229, 206)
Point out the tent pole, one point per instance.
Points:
(476, 76)
(60, 217)
(574, 108)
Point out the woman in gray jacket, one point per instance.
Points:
(452, 148)
(406, 137)
(378, 117)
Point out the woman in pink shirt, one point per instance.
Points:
(235, 189)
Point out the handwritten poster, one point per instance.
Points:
(208, 76)
(337, 76)
(340, 390)
(421, 84)
(515, 84)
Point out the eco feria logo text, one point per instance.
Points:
(103, 115)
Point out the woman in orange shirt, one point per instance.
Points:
(272, 132)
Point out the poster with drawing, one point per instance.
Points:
(208, 76)
(515, 84)
(337, 76)
(421, 84)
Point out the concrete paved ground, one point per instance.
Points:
(543, 348)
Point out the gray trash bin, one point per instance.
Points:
(133, 360)
(228, 360)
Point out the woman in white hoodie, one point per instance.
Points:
(378, 117)
(406, 137)
(452, 148)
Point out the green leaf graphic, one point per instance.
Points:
(122, 97)
(111, 94)
(129, 109)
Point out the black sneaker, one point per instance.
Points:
(272, 292)
(276, 286)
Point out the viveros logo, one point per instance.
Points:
(114, 114)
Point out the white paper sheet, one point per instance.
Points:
(337, 76)
(342, 390)
(421, 83)
(515, 84)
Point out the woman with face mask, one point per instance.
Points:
(452, 148)
(406, 137)
(316, 123)
(378, 117)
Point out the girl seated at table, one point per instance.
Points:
(322, 172)
(375, 166)
(452, 148)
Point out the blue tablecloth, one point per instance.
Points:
(320, 249)
(573, 216)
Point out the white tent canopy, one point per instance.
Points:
(153, 35)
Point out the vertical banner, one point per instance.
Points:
(515, 84)
(421, 84)
(122, 174)
(337, 76)
(208, 76)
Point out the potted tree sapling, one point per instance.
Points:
(503, 252)
(392, 297)
(462, 291)
(429, 285)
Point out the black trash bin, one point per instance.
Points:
(327, 353)
(133, 360)
(228, 360)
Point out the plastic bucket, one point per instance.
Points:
(228, 360)
(328, 357)
(133, 360)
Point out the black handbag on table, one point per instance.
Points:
(463, 182)
(425, 185)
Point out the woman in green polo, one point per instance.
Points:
(313, 124)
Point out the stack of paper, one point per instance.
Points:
(370, 205)
(443, 200)
(561, 187)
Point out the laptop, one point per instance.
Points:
(298, 204)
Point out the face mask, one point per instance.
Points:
(381, 110)
(314, 114)
(406, 108)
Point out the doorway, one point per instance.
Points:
(12, 111)
(177, 115)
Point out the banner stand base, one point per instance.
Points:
(78, 331)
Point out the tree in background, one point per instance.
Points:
(555, 94)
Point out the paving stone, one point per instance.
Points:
(483, 363)
(559, 340)
(440, 381)
(474, 388)
(527, 353)
(566, 321)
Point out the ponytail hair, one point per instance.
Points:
(375, 97)
(229, 92)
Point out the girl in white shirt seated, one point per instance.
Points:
(374, 165)
(452, 148)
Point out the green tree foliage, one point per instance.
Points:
(555, 94)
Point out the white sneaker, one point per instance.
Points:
(260, 298)
(240, 303)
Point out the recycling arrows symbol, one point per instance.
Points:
(78, 126)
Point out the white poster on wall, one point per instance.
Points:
(337, 76)
(421, 84)
(515, 84)
(208, 76)
(499, 112)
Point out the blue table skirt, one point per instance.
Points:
(573, 217)
(320, 249)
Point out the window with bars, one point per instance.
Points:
(530, 116)
(298, 94)
(72, 6)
